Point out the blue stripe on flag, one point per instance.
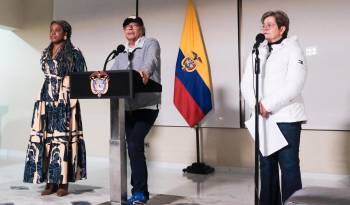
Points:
(194, 85)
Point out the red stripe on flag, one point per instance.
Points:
(186, 105)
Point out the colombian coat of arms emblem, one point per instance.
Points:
(99, 83)
(189, 63)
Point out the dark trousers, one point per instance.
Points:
(137, 125)
(288, 161)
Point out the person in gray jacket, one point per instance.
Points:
(143, 55)
(283, 74)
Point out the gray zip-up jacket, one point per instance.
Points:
(146, 57)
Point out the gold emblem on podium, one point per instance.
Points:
(99, 83)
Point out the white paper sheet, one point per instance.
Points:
(270, 136)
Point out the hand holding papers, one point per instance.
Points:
(270, 136)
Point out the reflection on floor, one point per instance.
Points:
(167, 186)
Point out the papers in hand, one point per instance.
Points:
(270, 136)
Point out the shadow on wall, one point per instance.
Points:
(226, 147)
(36, 23)
(3, 111)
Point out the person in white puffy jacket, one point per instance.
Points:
(282, 77)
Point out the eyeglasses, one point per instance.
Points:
(132, 26)
(267, 26)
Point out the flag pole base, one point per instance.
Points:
(199, 168)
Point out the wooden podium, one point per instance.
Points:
(122, 84)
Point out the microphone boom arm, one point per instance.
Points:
(107, 59)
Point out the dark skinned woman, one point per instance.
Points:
(56, 149)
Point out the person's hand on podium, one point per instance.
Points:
(144, 76)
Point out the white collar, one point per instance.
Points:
(138, 44)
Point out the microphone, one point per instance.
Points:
(259, 39)
(113, 54)
(120, 49)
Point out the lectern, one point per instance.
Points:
(121, 84)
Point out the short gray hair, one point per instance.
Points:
(281, 17)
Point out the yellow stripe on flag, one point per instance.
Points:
(192, 43)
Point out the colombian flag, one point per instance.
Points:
(192, 90)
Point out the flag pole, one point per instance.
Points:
(198, 167)
(197, 143)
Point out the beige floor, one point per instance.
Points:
(167, 185)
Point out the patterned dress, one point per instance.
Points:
(56, 149)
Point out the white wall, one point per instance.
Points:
(164, 20)
(223, 147)
(320, 25)
(218, 20)
(324, 152)
(20, 53)
(17, 87)
(321, 151)
(97, 30)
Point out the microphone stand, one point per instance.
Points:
(131, 74)
(257, 111)
(107, 59)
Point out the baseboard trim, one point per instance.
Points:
(16, 154)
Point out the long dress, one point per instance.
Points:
(56, 149)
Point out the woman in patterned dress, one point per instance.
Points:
(56, 150)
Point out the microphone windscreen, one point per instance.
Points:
(260, 38)
(120, 48)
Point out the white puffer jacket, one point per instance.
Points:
(282, 77)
